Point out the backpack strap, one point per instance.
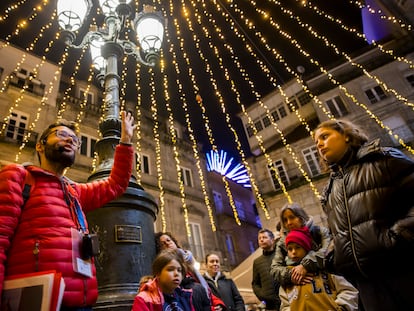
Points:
(28, 183)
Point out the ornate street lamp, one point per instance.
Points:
(125, 226)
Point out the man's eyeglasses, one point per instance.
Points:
(64, 135)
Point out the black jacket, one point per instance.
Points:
(227, 291)
(370, 206)
(263, 284)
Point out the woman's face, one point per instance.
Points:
(167, 243)
(170, 277)
(213, 265)
(291, 221)
(331, 144)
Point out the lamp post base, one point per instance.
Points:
(125, 228)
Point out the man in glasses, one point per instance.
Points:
(49, 231)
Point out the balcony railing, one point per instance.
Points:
(14, 134)
(76, 103)
(33, 86)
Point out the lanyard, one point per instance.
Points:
(73, 204)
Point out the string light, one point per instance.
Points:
(220, 99)
(190, 131)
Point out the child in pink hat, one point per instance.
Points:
(325, 292)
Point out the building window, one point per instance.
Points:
(375, 94)
(337, 107)
(410, 79)
(400, 128)
(293, 104)
(218, 202)
(281, 171)
(250, 131)
(312, 160)
(258, 124)
(27, 81)
(240, 210)
(186, 177)
(303, 98)
(279, 113)
(17, 125)
(230, 249)
(144, 163)
(83, 94)
(87, 147)
(177, 132)
(266, 121)
(196, 241)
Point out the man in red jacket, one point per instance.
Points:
(47, 233)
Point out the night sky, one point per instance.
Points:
(197, 51)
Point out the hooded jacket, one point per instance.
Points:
(369, 202)
(38, 236)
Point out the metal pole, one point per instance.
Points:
(125, 225)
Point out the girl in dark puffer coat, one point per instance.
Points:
(370, 206)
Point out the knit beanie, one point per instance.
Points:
(300, 236)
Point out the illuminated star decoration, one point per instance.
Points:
(217, 161)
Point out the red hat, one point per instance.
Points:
(300, 236)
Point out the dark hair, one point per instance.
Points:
(164, 257)
(208, 255)
(62, 122)
(269, 232)
(278, 226)
(296, 210)
(158, 245)
(356, 136)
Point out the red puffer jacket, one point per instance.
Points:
(41, 235)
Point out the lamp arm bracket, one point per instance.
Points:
(88, 38)
(131, 48)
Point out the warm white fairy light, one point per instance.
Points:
(157, 141)
(355, 31)
(383, 16)
(190, 130)
(220, 99)
(330, 77)
(138, 122)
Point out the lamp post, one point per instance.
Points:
(125, 225)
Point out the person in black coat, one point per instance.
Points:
(369, 202)
(221, 286)
(264, 285)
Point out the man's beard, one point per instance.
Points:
(56, 154)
